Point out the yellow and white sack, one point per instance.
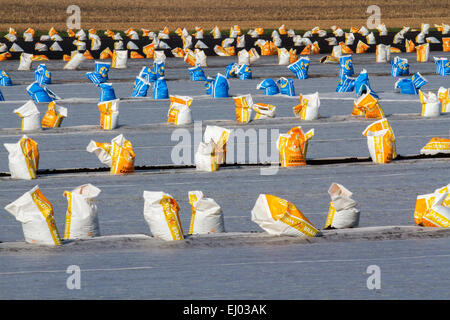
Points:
(343, 212)
(30, 116)
(439, 213)
(81, 213)
(382, 124)
(263, 111)
(200, 58)
(243, 108)
(25, 61)
(280, 217)
(206, 157)
(161, 214)
(423, 52)
(118, 155)
(119, 59)
(284, 58)
(425, 201)
(109, 114)
(206, 216)
(36, 214)
(74, 61)
(220, 137)
(436, 145)
(179, 110)
(54, 116)
(381, 146)
(23, 158)
(308, 109)
(431, 106)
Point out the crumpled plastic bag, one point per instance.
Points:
(279, 217)
(370, 106)
(410, 85)
(41, 93)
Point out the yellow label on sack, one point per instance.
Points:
(68, 195)
(330, 216)
(433, 218)
(46, 210)
(173, 115)
(170, 208)
(122, 158)
(51, 119)
(382, 125)
(106, 114)
(284, 211)
(192, 199)
(438, 144)
(30, 152)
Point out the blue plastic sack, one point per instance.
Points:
(160, 89)
(197, 74)
(107, 92)
(220, 86)
(269, 86)
(286, 86)
(300, 68)
(5, 79)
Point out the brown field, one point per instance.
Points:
(269, 14)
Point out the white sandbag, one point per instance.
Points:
(25, 61)
(118, 45)
(75, 61)
(370, 38)
(278, 216)
(284, 58)
(383, 53)
(308, 109)
(179, 110)
(159, 56)
(81, 214)
(55, 47)
(161, 215)
(205, 157)
(431, 106)
(132, 46)
(35, 213)
(343, 212)
(23, 158)
(207, 215)
(220, 137)
(200, 58)
(30, 116)
(243, 57)
(15, 48)
(81, 35)
(27, 37)
(240, 42)
(119, 59)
